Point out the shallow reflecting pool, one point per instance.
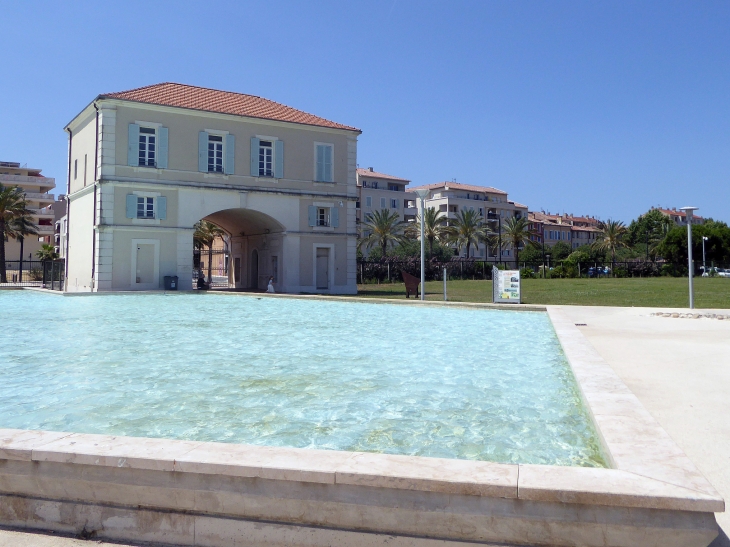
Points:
(428, 381)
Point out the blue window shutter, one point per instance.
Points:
(312, 215)
(203, 152)
(327, 164)
(230, 166)
(320, 162)
(335, 217)
(131, 206)
(279, 159)
(162, 207)
(133, 145)
(162, 148)
(254, 157)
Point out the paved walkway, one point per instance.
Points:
(680, 370)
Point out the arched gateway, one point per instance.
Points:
(281, 183)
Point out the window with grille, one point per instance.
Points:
(147, 147)
(145, 207)
(215, 154)
(266, 159)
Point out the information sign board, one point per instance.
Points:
(506, 286)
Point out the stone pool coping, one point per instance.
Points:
(648, 470)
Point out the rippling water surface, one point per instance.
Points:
(455, 383)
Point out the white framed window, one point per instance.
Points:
(382, 203)
(147, 148)
(368, 201)
(215, 153)
(323, 216)
(323, 155)
(266, 159)
(145, 207)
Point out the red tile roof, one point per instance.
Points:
(676, 212)
(459, 186)
(224, 102)
(369, 173)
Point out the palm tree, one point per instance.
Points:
(384, 228)
(610, 238)
(434, 228)
(47, 252)
(205, 235)
(516, 233)
(12, 206)
(466, 229)
(19, 227)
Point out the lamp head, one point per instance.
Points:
(422, 192)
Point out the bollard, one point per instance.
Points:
(445, 298)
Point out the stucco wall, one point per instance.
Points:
(80, 242)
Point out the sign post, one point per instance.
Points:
(506, 286)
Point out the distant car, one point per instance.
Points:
(598, 272)
(723, 273)
(720, 272)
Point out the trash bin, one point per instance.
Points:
(170, 282)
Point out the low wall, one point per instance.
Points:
(215, 494)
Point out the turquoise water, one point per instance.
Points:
(455, 383)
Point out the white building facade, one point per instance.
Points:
(280, 182)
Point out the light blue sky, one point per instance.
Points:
(602, 108)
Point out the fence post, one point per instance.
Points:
(388, 272)
(445, 298)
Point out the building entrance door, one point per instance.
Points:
(145, 264)
(323, 264)
(254, 269)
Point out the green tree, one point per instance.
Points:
(205, 235)
(611, 237)
(46, 252)
(434, 228)
(382, 228)
(18, 228)
(648, 231)
(717, 247)
(516, 233)
(560, 251)
(12, 207)
(466, 229)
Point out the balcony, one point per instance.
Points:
(37, 196)
(45, 230)
(42, 213)
(20, 180)
(410, 211)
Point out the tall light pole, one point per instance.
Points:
(422, 193)
(704, 265)
(690, 211)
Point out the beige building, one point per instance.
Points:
(378, 191)
(147, 164)
(492, 204)
(679, 217)
(35, 187)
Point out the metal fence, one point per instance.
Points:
(220, 263)
(47, 274)
(389, 270)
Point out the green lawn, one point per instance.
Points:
(669, 292)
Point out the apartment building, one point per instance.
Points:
(36, 188)
(572, 230)
(60, 221)
(492, 204)
(679, 217)
(148, 163)
(377, 191)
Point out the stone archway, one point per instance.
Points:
(256, 246)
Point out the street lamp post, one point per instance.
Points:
(704, 265)
(422, 193)
(690, 211)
